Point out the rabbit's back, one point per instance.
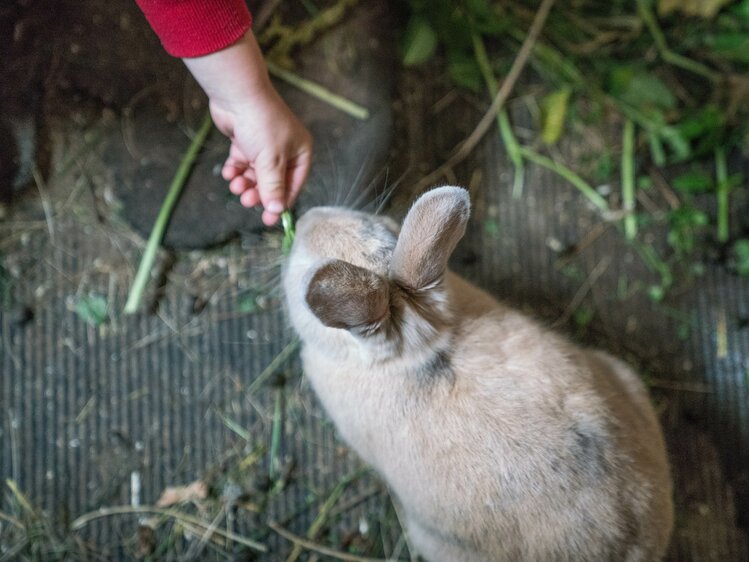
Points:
(529, 448)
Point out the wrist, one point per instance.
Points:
(234, 75)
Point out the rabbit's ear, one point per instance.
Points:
(343, 295)
(430, 232)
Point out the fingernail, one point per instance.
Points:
(274, 207)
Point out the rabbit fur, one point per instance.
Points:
(498, 438)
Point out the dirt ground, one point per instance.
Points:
(102, 410)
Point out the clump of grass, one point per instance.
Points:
(27, 533)
(687, 102)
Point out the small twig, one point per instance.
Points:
(14, 456)
(10, 554)
(307, 544)
(320, 92)
(647, 16)
(84, 520)
(235, 427)
(325, 509)
(159, 227)
(12, 520)
(588, 238)
(628, 180)
(698, 387)
(264, 13)
(198, 547)
(584, 289)
(466, 146)
(20, 497)
(46, 206)
(660, 182)
(721, 336)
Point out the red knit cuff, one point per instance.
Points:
(192, 28)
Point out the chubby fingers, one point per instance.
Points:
(271, 180)
(270, 171)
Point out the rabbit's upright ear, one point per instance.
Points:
(430, 232)
(343, 295)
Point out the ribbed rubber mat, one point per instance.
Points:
(168, 395)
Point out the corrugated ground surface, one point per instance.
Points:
(84, 408)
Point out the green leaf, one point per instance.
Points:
(419, 42)
(583, 316)
(733, 45)
(742, 10)
(695, 181)
(640, 88)
(554, 111)
(486, 18)
(92, 309)
(741, 253)
(656, 293)
(465, 72)
(698, 124)
(685, 226)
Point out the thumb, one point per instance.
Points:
(270, 171)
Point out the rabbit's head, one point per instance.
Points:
(355, 284)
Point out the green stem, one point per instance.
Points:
(647, 16)
(722, 189)
(157, 234)
(287, 220)
(275, 440)
(503, 121)
(584, 187)
(277, 361)
(320, 92)
(628, 180)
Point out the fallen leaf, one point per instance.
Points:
(92, 309)
(554, 110)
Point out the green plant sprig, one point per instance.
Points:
(289, 232)
(165, 213)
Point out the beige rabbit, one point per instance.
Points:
(499, 439)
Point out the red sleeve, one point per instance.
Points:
(192, 28)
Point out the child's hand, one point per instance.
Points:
(270, 154)
(271, 151)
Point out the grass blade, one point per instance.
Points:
(722, 189)
(275, 440)
(320, 92)
(628, 180)
(159, 227)
(503, 121)
(287, 221)
(584, 187)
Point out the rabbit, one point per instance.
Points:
(498, 438)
